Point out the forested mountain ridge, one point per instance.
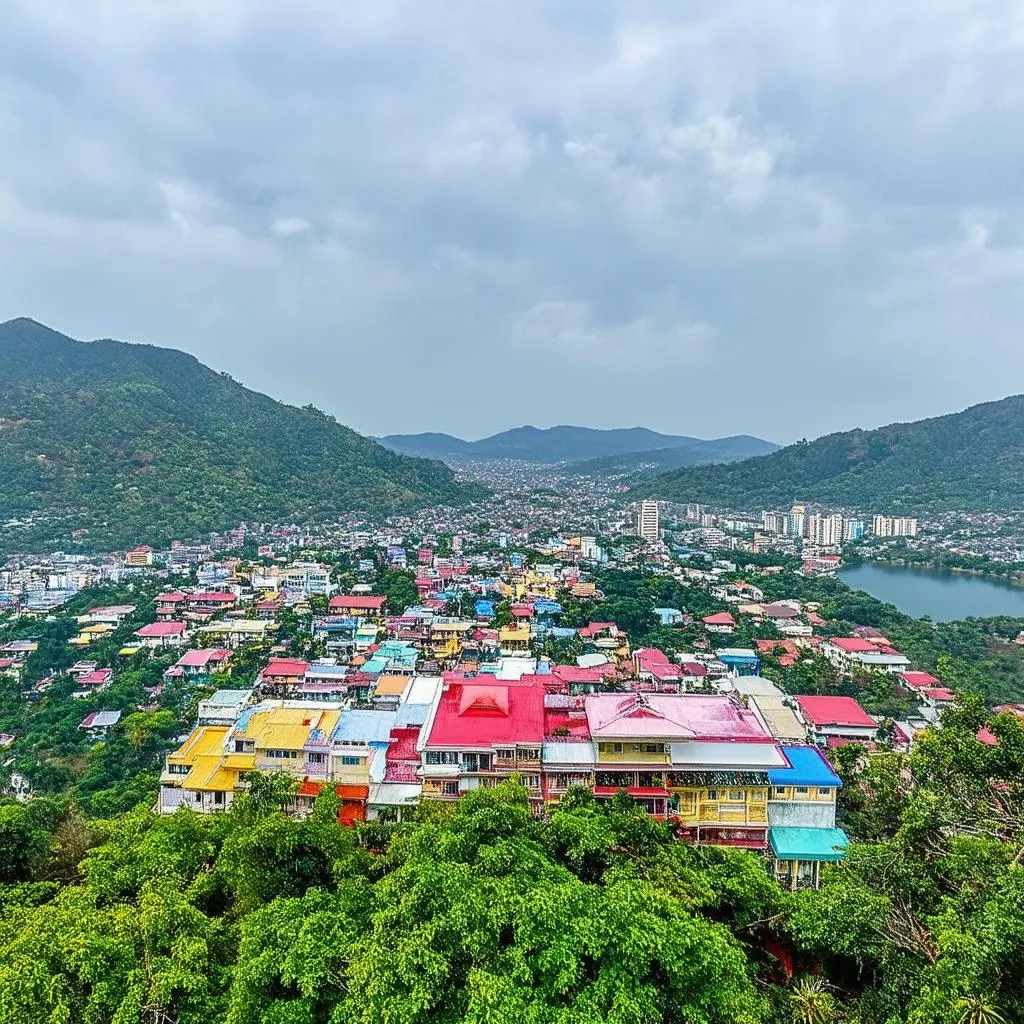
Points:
(661, 460)
(571, 444)
(970, 460)
(137, 444)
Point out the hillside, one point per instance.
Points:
(138, 443)
(661, 460)
(553, 444)
(971, 460)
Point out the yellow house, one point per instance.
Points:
(206, 771)
(88, 634)
(514, 640)
(702, 760)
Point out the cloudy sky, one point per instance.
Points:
(708, 218)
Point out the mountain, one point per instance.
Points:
(532, 444)
(661, 460)
(971, 460)
(139, 444)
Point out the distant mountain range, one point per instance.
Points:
(140, 444)
(612, 451)
(661, 460)
(971, 460)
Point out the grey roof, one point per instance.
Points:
(409, 715)
(568, 754)
(699, 754)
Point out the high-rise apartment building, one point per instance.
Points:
(853, 529)
(825, 531)
(648, 525)
(894, 526)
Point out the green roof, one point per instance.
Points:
(808, 843)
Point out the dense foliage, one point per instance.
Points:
(968, 460)
(479, 912)
(137, 444)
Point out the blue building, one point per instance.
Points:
(802, 833)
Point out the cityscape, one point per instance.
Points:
(511, 513)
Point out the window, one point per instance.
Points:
(529, 754)
(351, 759)
(243, 746)
(282, 755)
(654, 748)
(314, 758)
(218, 797)
(736, 795)
(531, 781)
(712, 794)
(451, 789)
(800, 791)
(824, 791)
(442, 757)
(616, 748)
(780, 792)
(504, 754)
(178, 769)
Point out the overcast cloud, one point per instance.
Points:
(707, 218)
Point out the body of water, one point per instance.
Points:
(944, 596)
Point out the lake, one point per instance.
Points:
(943, 596)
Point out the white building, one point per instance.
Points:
(648, 524)
(825, 531)
(894, 526)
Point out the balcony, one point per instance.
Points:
(315, 769)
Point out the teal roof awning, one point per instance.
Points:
(808, 843)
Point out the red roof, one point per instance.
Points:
(919, 680)
(162, 629)
(483, 714)
(834, 711)
(522, 611)
(212, 597)
(172, 597)
(854, 645)
(939, 693)
(403, 745)
(201, 658)
(577, 727)
(719, 619)
(97, 678)
(286, 667)
(576, 674)
(361, 602)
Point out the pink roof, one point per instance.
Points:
(286, 667)
(693, 716)
(920, 680)
(212, 597)
(200, 658)
(576, 674)
(854, 645)
(719, 619)
(650, 656)
(834, 711)
(939, 693)
(171, 596)
(479, 714)
(522, 611)
(665, 671)
(695, 669)
(363, 602)
(155, 629)
(97, 678)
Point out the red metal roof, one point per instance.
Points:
(482, 714)
(162, 629)
(834, 711)
(719, 619)
(286, 667)
(362, 602)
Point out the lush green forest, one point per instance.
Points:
(968, 460)
(478, 912)
(138, 444)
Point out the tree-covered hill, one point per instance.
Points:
(967, 460)
(661, 460)
(137, 443)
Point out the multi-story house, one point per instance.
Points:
(700, 759)
(802, 816)
(850, 653)
(481, 731)
(831, 721)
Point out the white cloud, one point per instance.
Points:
(287, 227)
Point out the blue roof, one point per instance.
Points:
(808, 843)
(809, 768)
(363, 726)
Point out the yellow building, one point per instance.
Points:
(207, 770)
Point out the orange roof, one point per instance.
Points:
(390, 686)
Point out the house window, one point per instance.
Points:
(504, 754)
(780, 792)
(218, 798)
(529, 754)
(736, 795)
(451, 789)
(315, 758)
(350, 759)
(654, 748)
(824, 791)
(616, 748)
(800, 791)
(712, 794)
(531, 781)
